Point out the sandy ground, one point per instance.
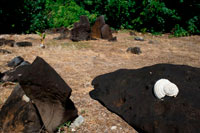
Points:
(78, 63)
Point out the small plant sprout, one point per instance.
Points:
(42, 35)
(61, 127)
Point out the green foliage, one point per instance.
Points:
(61, 127)
(179, 17)
(42, 35)
(37, 15)
(65, 13)
(193, 25)
(155, 16)
(179, 31)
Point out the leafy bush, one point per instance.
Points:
(156, 16)
(65, 13)
(36, 15)
(179, 31)
(180, 17)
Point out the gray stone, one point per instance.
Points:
(4, 41)
(106, 32)
(15, 61)
(5, 51)
(137, 38)
(24, 63)
(134, 50)
(24, 44)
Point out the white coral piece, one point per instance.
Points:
(25, 98)
(164, 87)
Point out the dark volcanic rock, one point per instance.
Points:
(10, 43)
(5, 51)
(128, 93)
(15, 61)
(24, 44)
(106, 32)
(81, 30)
(24, 63)
(134, 50)
(19, 116)
(2, 40)
(48, 90)
(96, 28)
(114, 39)
(1, 75)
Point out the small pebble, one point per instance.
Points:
(42, 46)
(137, 38)
(134, 50)
(113, 128)
(73, 130)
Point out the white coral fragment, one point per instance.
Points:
(164, 87)
(25, 98)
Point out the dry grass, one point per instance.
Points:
(78, 63)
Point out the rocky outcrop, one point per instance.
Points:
(96, 28)
(106, 32)
(48, 92)
(129, 93)
(102, 30)
(81, 30)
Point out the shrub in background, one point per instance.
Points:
(65, 13)
(180, 17)
(36, 12)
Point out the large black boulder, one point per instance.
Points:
(48, 91)
(81, 30)
(129, 94)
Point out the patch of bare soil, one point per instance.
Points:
(79, 63)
